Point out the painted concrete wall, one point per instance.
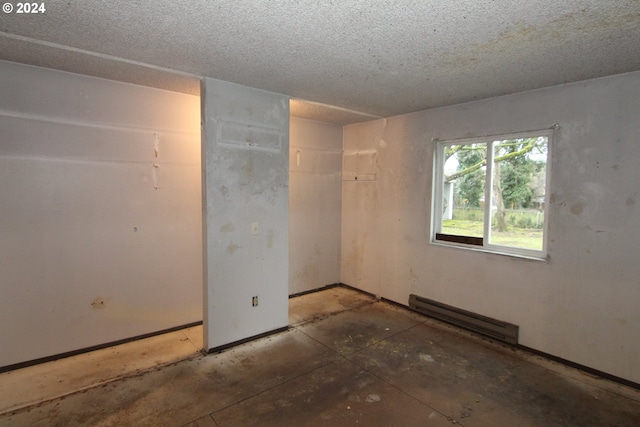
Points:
(246, 209)
(315, 208)
(581, 305)
(100, 224)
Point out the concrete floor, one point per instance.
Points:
(347, 360)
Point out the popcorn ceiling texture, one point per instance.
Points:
(376, 57)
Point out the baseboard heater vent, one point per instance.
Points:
(493, 328)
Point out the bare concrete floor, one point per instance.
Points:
(347, 360)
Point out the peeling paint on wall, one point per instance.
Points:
(270, 239)
(156, 145)
(577, 209)
(99, 303)
(156, 155)
(359, 165)
(228, 228)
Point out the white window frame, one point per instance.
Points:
(438, 197)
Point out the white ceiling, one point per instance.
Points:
(368, 57)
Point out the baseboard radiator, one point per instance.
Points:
(493, 328)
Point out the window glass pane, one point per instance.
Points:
(463, 189)
(518, 192)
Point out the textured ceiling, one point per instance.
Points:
(378, 58)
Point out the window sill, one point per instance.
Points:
(495, 251)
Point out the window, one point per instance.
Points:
(491, 193)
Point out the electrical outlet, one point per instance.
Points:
(254, 301)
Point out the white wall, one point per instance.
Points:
(315, 209)
(245, 148)
(96, 244)
(582, 305)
